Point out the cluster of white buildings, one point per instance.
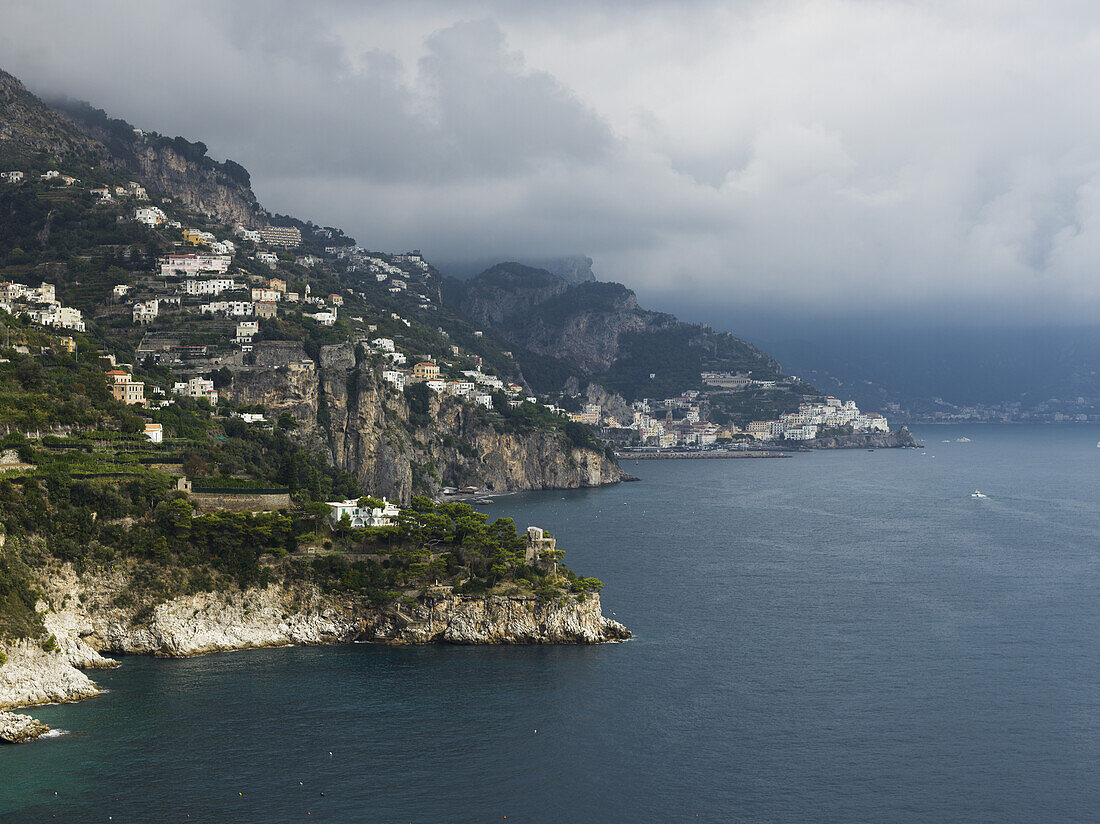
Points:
(150, 216)
(473, 385)
(810, 418)
(690, 429)
(40, 304)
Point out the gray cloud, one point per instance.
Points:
(798, 156)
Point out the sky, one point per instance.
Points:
(842, 159)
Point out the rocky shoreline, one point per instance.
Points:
(83, 622)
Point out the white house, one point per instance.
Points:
(11, 177)
(197, 388)
(146, 312)
(361, 516)
(232, 308)
(150, 215)
(154, 432)
(384, 344)
(210, 287)
(270, 258)
(246, 329)
(394, 377)
(193, 264)
(325, 318)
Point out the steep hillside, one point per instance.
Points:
(598, 329)
(35, 137)
(29, 129)
(175, 166)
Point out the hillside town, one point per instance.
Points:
(682, 421)
(206, 304)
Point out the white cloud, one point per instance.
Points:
(894, 156)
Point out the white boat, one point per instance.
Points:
(962, 440)
(977, 493)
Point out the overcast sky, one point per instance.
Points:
(856, 158)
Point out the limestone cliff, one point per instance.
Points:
(343, 407)
(84, 617)
(69, 131)
(499, 620)
(600, 330)
(869, 440)
(394, 452)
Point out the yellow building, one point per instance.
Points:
(68, 344)
(126, 389)
(425, 371)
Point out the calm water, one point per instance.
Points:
(837, 637)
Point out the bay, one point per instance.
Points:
(839, 636)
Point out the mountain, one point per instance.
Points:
(597, 332)
(570, 268)
(30, 130)
(180, 400)
(35, 137)
(175, 166)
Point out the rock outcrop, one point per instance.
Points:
(28, 127)
(498, 620)
(869, 440)
(33, 676)
(344, 408)
(84, 618)
(17, 729)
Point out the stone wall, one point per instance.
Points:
(241, 501)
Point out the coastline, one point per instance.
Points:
(78, 615)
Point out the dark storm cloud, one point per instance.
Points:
(863, 157)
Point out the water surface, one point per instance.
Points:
(835, 637)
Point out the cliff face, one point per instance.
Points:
(497, 620)
(505, 291)
(580, 323)
(196, 185)
(395, 453)
(74, 131)
(278, 381)
(371, 432)
(869, 440)
(84, 619)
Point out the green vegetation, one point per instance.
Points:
(88, 488)
(451, 543)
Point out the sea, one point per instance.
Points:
(839, 636)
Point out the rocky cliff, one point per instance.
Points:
(174, 166)
(84, 618)
(376, 436)
(869, 440)
(71, 131)
(201, 187)
(580, 323)
(598, 332)
(29, 127)
(345, 409)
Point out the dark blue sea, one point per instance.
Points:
(834, 637)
